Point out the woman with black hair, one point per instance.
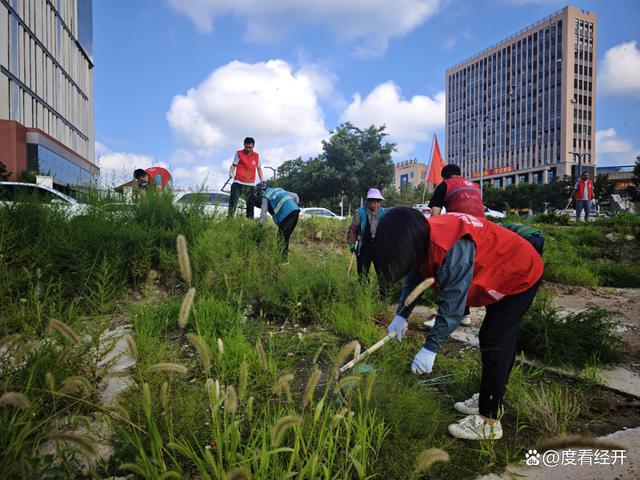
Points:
(476, 263)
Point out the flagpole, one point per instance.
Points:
(424, 190)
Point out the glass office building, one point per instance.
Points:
(46, 85)
(523, 110)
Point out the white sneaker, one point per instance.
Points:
(469, 406)
(473, 427)
(466, 320)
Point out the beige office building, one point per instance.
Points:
(46, 89)
(524, 109)
(409, 172)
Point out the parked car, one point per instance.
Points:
(213, 201)
(319, 212)
(13, 192)
(494, 213)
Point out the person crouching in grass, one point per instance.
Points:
(476, 263)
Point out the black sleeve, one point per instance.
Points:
(438, 196)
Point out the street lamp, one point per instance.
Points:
(580, 157)
(272, 169)
(481, 124)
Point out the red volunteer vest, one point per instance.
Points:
(463, 196)
(579, 195)
(153, 172)
(505, 263)
(246, 168)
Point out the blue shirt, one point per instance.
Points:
(454, 278)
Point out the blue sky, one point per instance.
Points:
(181, 82)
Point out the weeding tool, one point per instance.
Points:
(412, 297)
(225, 184)
(353, 255)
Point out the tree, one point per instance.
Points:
(4, 173)
(353, 161)
(603, 187)
(360, 159)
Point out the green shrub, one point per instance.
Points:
(572, 340)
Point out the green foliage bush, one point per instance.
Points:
(576, 339)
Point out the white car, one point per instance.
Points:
(12, 192)
(319, 212)
(214, 202)
(493, 213)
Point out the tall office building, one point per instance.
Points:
(46, 89)
(524, 109)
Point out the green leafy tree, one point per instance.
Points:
(353, 160)
(603, 187)
(4, 173)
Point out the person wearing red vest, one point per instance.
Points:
(457, 194)
(583, 194)
(159, 177)
(475, 262)
(246, 163)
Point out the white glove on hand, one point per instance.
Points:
(399, 325)
(423, 361)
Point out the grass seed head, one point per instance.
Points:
(220, 346)
(81, 441)
(168, 367)
(203, 350)
(231, 402)
(131, 345)
(311, 387)
(164, 395)
(50, 381)
(183, 259)
(185, 308)
(428, 457)
(244, 379)
(250, 407)
(282, 385)
(238, 474)
(14, 399)
(65, 330)
(281, 427)
(344, 353)
(262, 356)
(9, 339)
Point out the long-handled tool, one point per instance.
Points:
(415, 293)
(353, 255)
(225, 184)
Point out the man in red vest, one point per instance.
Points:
(158, 177)
(474, 262)
(583, 194)
(457, 194)
(243, 170)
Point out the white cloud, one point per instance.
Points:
(371, 23)
(619, 71)
(407, 121)
(269, 101)
(607, 141)
(614, 150)
(118, 167)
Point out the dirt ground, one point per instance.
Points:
(624, 301)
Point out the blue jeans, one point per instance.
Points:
(580, 205)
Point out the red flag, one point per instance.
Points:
(436, 164)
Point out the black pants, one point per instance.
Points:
(236, 190)
(368, 255)
(285, 229)
(537, 241)
(498, 346)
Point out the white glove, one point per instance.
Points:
(423, 361)
(399, 325)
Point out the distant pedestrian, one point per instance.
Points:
(284, 209)
(583, 194)
(362, 236)
(246, 163)
(158, 178)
